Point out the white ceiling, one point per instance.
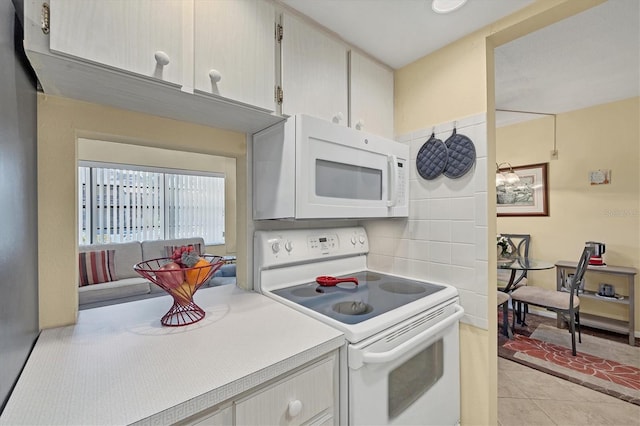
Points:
(397, 32)
(588, 59)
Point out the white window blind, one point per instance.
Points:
(195, 206)
(119, 205)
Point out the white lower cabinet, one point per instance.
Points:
(306, 396)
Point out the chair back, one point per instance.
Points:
(519, 243)
(581, 268)
(520, 246)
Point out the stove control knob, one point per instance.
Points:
(294, 408)
(361, 239)
(353, 240)
(275, 247)
(288, 246)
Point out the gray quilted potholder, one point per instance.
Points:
(432, 158)
(462, 155)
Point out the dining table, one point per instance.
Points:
(515, 264)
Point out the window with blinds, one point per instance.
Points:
(120, 205)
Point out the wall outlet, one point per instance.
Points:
(554, 154)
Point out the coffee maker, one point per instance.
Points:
(596, 258)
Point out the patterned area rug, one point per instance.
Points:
(605, 362)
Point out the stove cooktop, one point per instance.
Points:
(348, 303)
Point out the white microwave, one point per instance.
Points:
(308, 168)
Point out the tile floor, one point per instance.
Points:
(530, 397)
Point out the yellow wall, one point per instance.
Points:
(602, 137)
(453, 82)
(60, 122)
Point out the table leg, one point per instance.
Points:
(632, 319)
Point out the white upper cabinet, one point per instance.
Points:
(143, 36)
(371, 94)
(314, 72)
(234, 50)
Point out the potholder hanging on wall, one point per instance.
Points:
(462, 155)
(432, 158)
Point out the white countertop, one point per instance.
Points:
(119, 365)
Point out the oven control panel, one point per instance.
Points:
(282, 247)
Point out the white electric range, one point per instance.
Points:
(401, 362)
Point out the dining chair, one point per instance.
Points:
(520, 246)
(566, 304)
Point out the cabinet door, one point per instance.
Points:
(314, 72)
(371, 92)
(234, 50)
(142, 36)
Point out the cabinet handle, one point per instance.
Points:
(294, 408)
(215, 76)
(360, 124)
(162, 58)
(338, 117)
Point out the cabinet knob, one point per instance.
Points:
(360, 124)
(162, 58)
(338, 117)
(294, 408)
(215, 76)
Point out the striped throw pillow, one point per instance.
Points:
(96, 267)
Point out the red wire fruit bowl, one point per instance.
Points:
(181, 283)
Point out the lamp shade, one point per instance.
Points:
(512, 178)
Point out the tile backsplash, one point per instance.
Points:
(444, 240)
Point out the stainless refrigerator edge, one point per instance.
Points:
(18, 203)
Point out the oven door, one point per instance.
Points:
(410, 374)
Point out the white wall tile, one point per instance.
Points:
(463, 231)
(463, 208)
(481, 277)
(419, 209)
(439, 252)
(481, 243)
(463, 278)
(480, 201)
(463, 255)
(440, 230)
(480, 175)
(440, 273)
(462, 186)
(418, 250)
(439, 209)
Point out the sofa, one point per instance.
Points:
(121, 283)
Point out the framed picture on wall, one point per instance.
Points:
(527, 197)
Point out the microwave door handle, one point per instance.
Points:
(423, 339)
(392, 161)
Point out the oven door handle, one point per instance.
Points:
(430, 334)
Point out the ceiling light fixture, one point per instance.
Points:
(446, 6)
(506, 178)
